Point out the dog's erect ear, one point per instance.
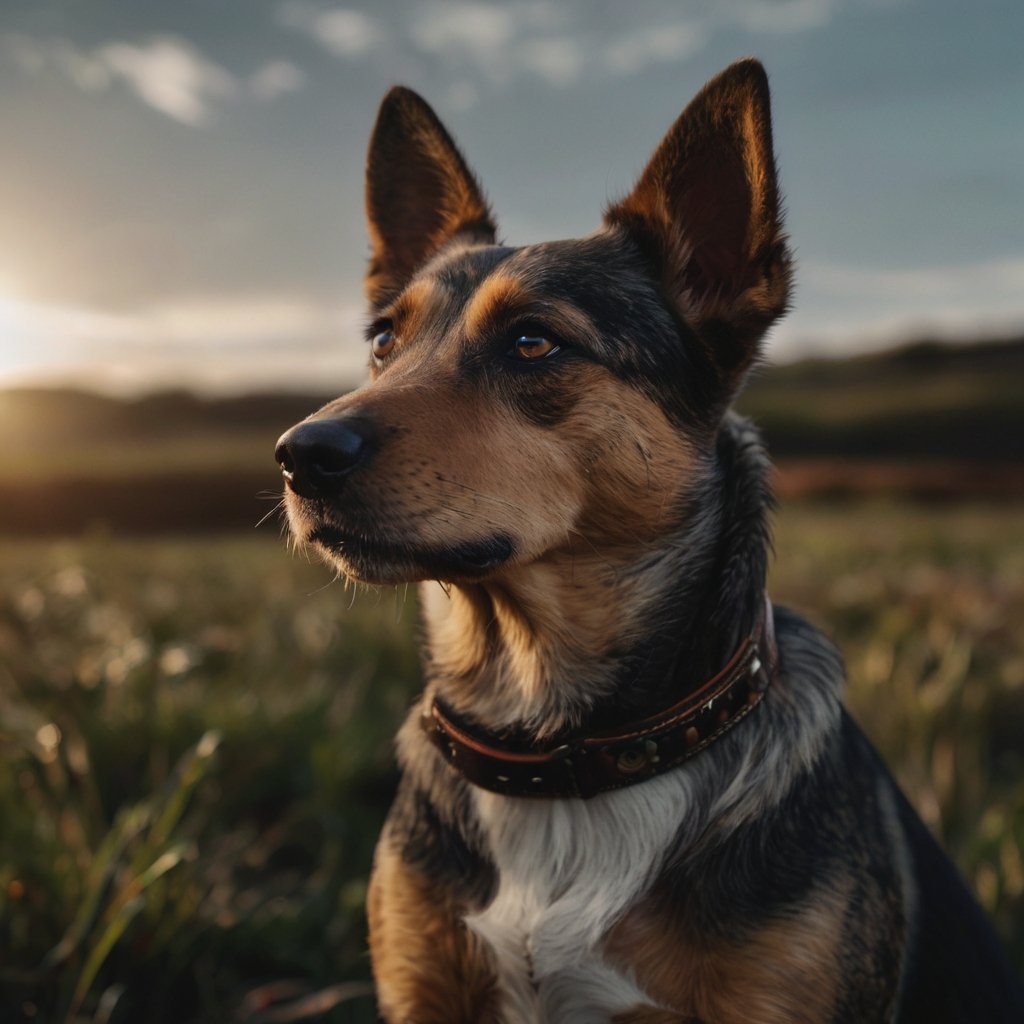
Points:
(706, 211)
(419, 193)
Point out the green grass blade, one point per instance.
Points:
(129, 905)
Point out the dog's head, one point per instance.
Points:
(525, 399)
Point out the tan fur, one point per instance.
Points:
(413, 309)
(428, 966)
(785, 973)
(506, 296)
(492, 302)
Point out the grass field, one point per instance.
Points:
(195, 756)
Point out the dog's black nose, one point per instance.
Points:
(316, 455)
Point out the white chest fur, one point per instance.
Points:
(567, 871)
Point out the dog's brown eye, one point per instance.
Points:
(382, 344)
(533, 348)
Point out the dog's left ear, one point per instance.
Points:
(420, 193)
(706, 212)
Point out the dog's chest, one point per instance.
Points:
(567, 871)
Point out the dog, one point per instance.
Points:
(629, 790)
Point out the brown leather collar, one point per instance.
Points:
(586, 766)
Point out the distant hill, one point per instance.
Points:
(61, 430)
(930, 418)
(929, 400)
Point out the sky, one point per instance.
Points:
(181, 180)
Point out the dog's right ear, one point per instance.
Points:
(420, 194)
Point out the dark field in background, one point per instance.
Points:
(195, 731)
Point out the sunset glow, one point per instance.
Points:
(8, 315)
(12, 320)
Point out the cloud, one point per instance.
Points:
(166, 73)
(171, 76)
(461, 95)
(237, 321)
(511, 41)
(207, 342)
(784, 16)
(474, 30)
(646, 46)
(496, 41)
(34, 57)
(558, 60)
(922, 284)
(501, 42)
(276, 78)
(186, 322)
(88, 72)
(855, 308)
(341, 31)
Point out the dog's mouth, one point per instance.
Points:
(385, 560)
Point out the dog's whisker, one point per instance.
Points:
(501, 502)
(273, 511)
(319, 590)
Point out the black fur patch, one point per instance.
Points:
(468, 559)
(438, 848)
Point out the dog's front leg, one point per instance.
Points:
(428, 966)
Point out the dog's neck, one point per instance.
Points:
(584, 639)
